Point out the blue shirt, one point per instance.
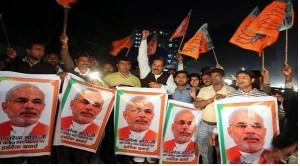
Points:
(183, 95)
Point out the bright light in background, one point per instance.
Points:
(228, 81)
(95, 76)
(243, 68)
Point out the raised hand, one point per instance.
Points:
(287, 72)
(64, 39)
(11, 53)
(179, 58)
(145, 34)
(266, 76)
(218, 66)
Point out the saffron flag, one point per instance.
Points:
(250, 40)
(182, 28)
(152, 46)
(288, 17)
(198, 44)
(269, 21)
(118, 45)
(66, 2)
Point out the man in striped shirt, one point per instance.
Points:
(244, 80)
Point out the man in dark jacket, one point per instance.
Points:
(32, 63)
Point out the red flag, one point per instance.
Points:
(182, 28)
(269, 21)
(152, 46)
(250, 40)
(118, 45)
(198, 44)
(66, 2)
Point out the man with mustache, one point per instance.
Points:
(23, 105)
(246, 128)
(138, 114)
(183, 129)
(154, 76)
(85, 107)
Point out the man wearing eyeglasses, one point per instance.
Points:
(247, 130)
(23, 105)
(183, 128)
(85, 107)
(138, 114)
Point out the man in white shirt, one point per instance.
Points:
(153, 77)
(205, 101)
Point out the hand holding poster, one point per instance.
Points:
(84, 112)
(180, 131)
(139, 116)
(246, 127)
(27, 114)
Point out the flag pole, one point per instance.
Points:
(128, 50)
(190, 13)
(4, 32)
(263, 60)
(215, 56)
(286, 47)
(66, 14)
(181, 43)
(131, 41)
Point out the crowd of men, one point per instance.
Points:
(201, 89)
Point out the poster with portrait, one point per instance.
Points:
(246, 127)
(139, 114)
(27, 113)
(180, 134)
(84, 112)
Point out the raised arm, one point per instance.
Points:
(65, 54)
(180, 62)
(142, 58)
(288, 75)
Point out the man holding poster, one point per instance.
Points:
(23, 105)
(138, 115)
(247, 130)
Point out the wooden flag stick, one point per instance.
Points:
(179, 48)
(66, 13)
(263, 60)
(128, 50)
(215, 56)
(4, 32)
(286, 47)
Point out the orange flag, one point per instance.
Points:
(269, 21)
(198, 44)
(118, 45)
(250, 40)
(182, 28)
(152, 46)
(66, 2)
(289, 17)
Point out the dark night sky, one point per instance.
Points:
(93, 25)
